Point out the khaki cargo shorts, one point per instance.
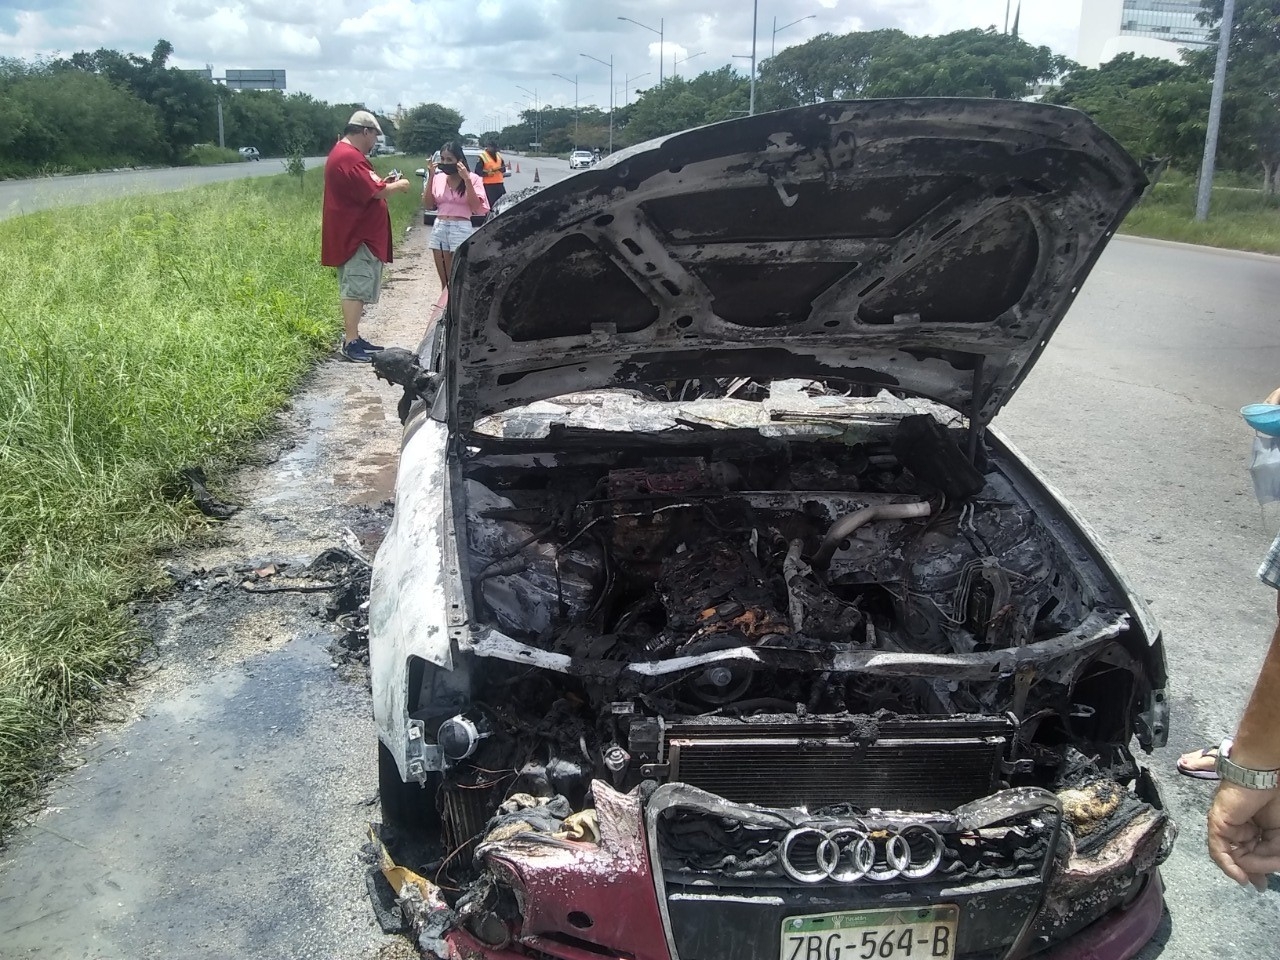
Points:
(360, 278)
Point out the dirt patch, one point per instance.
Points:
(242, 775)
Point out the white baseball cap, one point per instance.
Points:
(363, 118)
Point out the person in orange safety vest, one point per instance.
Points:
(492, 169)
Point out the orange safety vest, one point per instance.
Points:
(492, 167)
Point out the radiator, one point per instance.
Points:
(922, 765)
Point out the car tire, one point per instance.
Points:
(406, 807)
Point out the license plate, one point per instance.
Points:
(907, 933)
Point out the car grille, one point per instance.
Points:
(726, 889)
(700, 845)
(917, 765)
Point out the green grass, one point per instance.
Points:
(137, 337)
(1239, 218)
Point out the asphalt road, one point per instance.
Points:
(1133, 412)
(161, 838)
(27, 196)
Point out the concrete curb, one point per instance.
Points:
(1201, 248)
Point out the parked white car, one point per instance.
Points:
(581, 158)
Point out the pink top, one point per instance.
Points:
(450, 203)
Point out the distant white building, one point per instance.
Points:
(1145, 28)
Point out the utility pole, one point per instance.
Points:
(1215, 112)
(219, 86)
(755, 10)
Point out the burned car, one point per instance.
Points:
(715, 621)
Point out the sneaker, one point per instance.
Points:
(357, 351)
(365, 344)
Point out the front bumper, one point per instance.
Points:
(584, 900)
(1121, 933)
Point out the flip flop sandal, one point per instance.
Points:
(1194, 774)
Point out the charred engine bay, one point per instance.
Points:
(709, 607)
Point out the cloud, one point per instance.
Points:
(472, 55)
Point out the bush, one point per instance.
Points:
(207, 155)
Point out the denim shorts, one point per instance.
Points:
(449, 234)
(360, 278)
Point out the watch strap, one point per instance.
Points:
(1244, 776)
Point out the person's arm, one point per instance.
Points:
(1257, 744)
(1244, 824)
(389, 187)
(476, 197)
(428, 196)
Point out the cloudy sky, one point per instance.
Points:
(475, 55)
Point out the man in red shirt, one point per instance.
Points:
(355, 231)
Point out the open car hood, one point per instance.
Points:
(926, 246)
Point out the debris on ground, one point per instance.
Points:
(208, 504)
(340, 575)
(418, 903)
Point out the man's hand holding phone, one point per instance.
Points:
(394, 182)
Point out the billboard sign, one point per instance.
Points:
(255, 79)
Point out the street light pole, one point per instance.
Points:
(675, 63)
(1205, 190)
(626, 84)
(609, 64)
(778, 29)
(659, 32)
(537, 115)
(755, 10)
(574, 81)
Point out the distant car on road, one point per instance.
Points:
(249, 153)
(581, 158)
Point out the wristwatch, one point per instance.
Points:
(1244, 776)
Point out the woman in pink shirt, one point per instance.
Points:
(456, 194)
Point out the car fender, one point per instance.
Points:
(415, 583)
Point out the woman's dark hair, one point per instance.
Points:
(455, 148)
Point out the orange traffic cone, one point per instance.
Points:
(535, 175)
(517, 166)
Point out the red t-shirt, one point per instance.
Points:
(353, 211)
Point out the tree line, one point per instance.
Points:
(109, 108)
(105, 109)
(1157, 109)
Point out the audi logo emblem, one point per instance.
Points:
(850, 853)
